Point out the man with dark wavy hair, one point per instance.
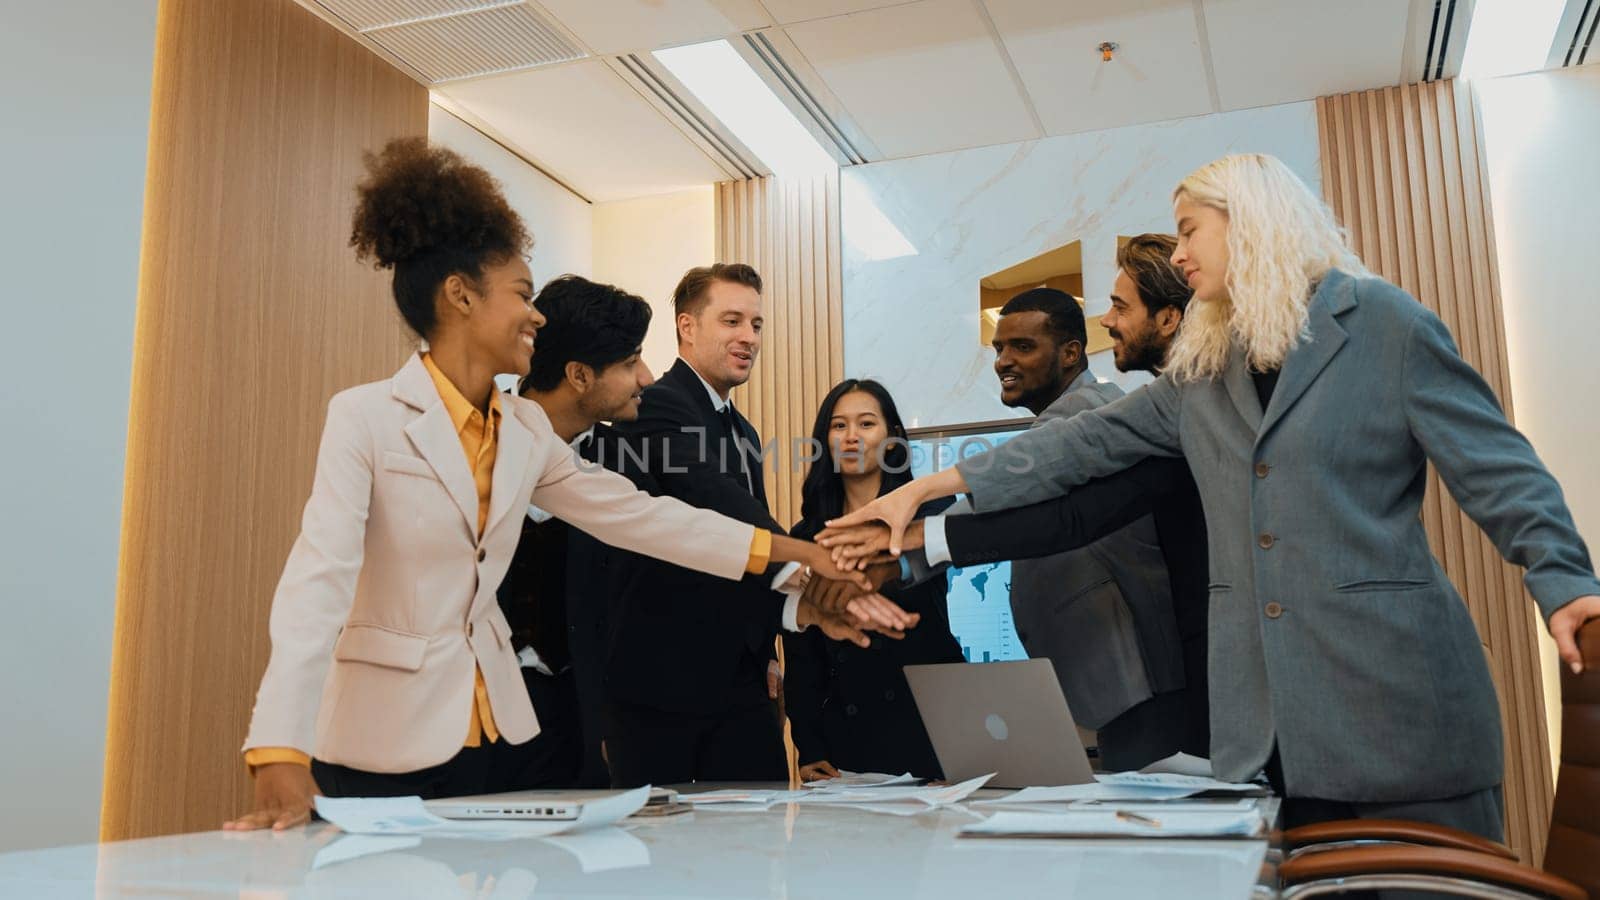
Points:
(586, 372)
(1147, 302)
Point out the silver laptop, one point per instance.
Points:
(1009, 718)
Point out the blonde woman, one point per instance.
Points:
(1308, 397)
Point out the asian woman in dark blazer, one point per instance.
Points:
(850, 707)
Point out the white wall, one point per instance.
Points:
(1541, 132)
(919, 233)
(77, 79)
(645, 246)
(560, 220)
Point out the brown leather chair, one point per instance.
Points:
(1330, 858)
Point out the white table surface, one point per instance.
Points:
(786, 853)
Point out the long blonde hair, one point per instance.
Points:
(1281, 239)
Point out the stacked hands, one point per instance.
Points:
(861, 554)
(844, 601)
(875, 534)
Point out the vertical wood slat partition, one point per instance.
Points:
(788, 229)
(252, 312)
(1403, 169)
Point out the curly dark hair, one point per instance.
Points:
(428, 214)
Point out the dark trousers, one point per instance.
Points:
(1480, 812)
(1144, 733)
(554, 758)
(655, 746)
(550, 760)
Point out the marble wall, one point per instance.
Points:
(919, 233)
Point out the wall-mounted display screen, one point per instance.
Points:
(980, 596)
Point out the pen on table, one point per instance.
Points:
(1127, 816)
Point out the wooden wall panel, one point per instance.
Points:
(1403, 169)
(252, 313)
(788, 229)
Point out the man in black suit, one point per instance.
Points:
(587, 371)
(687, 693)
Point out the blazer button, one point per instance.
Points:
(850, 709)
(1274, 610)
(1262, 469)
(888, 695)
(482, 553)
(1266, 541)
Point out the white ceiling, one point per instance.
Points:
(919, 77)
(1158, 71)
(1268, 51)
(588, 128)
(916, 77)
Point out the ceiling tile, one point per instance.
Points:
(613, 27)
(918, 78)
(1277, 51)
(586, 126)
(786, 11)
(1156, 73)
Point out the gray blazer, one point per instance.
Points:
(1332, 630)
(1102, 614)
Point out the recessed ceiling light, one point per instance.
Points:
(732, 91)
(1509, 36)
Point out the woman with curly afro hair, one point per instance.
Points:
(392, 671)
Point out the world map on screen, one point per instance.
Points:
(980, 596)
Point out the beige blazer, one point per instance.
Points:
(388, 597)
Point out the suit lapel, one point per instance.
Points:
(1241, 390)
(511, 460)
(718, 442)
(1305, 362)
(682, 376)
(434, 436)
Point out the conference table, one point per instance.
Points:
(786, 852)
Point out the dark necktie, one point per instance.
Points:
(730, 424)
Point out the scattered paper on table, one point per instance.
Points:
(1072, 793)
(407, 815)
(1180, 764)
(1182, 804)
(1195, 783)
(848, 780)
(733, 796)
(916, 798)
(929, 796)
(1106, 823)
(1124, 786)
